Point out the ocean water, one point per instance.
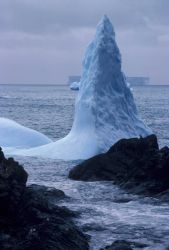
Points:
(106, 212)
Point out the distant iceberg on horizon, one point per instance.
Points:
(104, 111)
(75, 85)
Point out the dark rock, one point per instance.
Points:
(135, 164)
(29, 216)
(163, 197)
(124, 245)
(13, 179)
(51, 194)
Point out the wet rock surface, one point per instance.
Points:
(29, 216)
(124, 245)
(12, 184)
(136, 164)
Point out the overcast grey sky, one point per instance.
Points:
(43, 41)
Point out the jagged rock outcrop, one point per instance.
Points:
(13, 179)
(29, 216)
(135, 164)
(124, 245)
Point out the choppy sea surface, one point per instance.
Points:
(106, 212)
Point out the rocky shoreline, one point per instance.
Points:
(29, 216)
(136, 165)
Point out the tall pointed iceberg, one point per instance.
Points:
(105, 110)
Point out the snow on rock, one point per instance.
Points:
(75, 86)
(13, 134)
(105, 110)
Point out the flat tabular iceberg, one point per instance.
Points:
(14, 135)
(105, 110)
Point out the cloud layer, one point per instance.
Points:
(43, 41)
